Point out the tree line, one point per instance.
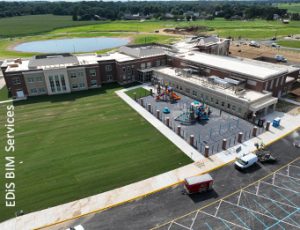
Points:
(158, 10)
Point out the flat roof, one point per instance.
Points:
(247, 95)
(255, 69)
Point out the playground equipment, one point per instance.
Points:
(197, 112)
(166, 110)
(167, 94)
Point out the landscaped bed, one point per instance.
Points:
(81, 144)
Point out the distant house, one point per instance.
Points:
(137, 16)
(285, 21)
(276, 17)
(168, 16)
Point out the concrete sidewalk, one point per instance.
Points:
(72, 210)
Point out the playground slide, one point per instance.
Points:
(175, 96)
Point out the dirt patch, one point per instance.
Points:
(264, 51)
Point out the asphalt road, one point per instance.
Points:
(168, 204)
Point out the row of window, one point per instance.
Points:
(37, 90)
(57, 83)
(210, 99)
(76, 74)
(78, 86)
(34, 79)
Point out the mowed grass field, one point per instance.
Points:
(35, 24)
(17, 28)
(246, 29)
(290, 43)
(291, 7)
(80, 144)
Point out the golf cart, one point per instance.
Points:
(264, 155)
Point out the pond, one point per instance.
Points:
(71, 45)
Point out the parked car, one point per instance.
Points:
(280, 58)
(274, 44)
(78, 227)
(245, 161)
(297, 144)
(254, 44)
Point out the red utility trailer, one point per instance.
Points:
(198, 183)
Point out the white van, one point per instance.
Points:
(245, 161)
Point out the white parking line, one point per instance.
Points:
(182, 226)
(216, 213)
(288, 176)
(238, 202)
(264, 182)
(248, 209)
(270, 199)
(194, 220)
(219, 218)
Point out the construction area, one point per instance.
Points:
(246, 51)
(270, 203)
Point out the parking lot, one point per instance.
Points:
(211, 132)
(270, 203)
(163, 208)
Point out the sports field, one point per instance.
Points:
(80, 144)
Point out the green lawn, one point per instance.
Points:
(139, 32)
(291, 7)
(139, 92)
(4, 94)
(290, 43)
(35, 24)
(80, 144)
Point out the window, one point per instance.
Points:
(217, 101)
(223, 103)
(63, 83)
(187, 90)
(149, 64)
(92, 72)
(33, 91)
(228, 106)
(212, 99)
(194, 93)
(266, 85)
(277, 81)
(39, 79)
(74, 86)
(143, 66)
(124, 77)
(16, 81)
(30, 79)
(240, 110)
(57, 83)
(52, 84)
(42, 90)
(81, 85)
(271, 86)
(250, 82)
(93, 82)
(109, 77)
(233, 107)
(108, 68)
(157, 62)
(73, 75)
(180, 88)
